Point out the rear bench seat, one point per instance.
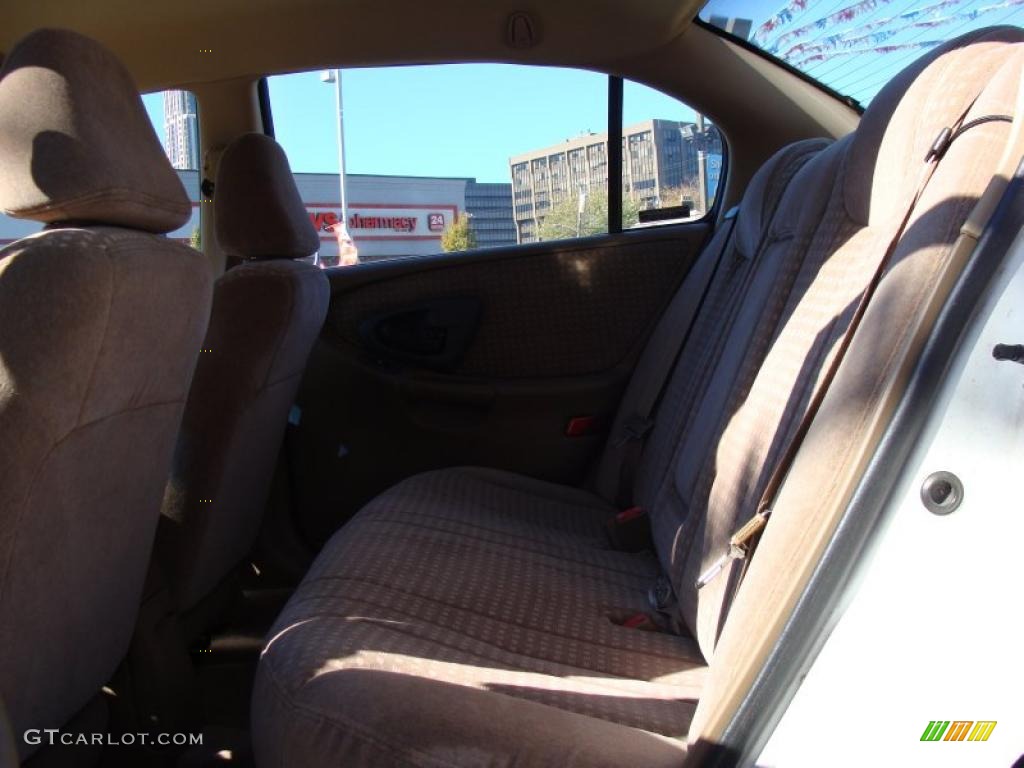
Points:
(474, 617)
(509, 584)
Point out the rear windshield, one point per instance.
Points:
(855, 46)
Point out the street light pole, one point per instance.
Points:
(334, 76)
(581, 207)
(702, 165)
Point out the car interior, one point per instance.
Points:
(492, 507)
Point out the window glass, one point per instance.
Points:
(463, 156)
(672, 159)
(444, 157)
(175, 117)
(855, 46)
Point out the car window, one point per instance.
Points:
(855, 47)
(672, 159)
(175, 117)
(457, 157)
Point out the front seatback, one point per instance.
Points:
(101, 320)
(266, 314)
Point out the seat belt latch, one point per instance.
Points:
(581, 426)
(628, 515)
(640, 621)
(739, 547)
(630, 530)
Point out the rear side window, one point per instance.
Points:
(175, 118)
(459, 157)
(672, 159)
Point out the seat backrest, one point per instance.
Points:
(101, 321)
(975, 76)
(266, 315)
(847, 208)
(742, 252)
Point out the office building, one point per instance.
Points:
(664, 162)
(181, 129)
(489, 206)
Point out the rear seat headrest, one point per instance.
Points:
(904, 119)
(764, 192)
(75, 141)
(257, 206)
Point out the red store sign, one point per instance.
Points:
(385, 221)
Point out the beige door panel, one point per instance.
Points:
(476, 358)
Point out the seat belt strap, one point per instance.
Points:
(681, 313)
(743, 542)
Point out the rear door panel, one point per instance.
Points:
(406, 377)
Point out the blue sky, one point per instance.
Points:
(443, 120)
(466, 120)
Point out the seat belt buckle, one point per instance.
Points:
(630, 530)
(661, 595)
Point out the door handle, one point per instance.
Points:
(434, 334)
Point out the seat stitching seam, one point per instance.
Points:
(515, 549)
(415, 523)
(103, 339)
(334, 718)
(522, 669)
(401, 515)
(426, 598)
(696, 665)
(496, 483)
(410, 520)
(30, 491)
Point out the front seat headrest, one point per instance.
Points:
(258, 211)
(76, 143)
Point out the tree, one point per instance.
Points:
(196, 240)
(458, 236)
(564, 220)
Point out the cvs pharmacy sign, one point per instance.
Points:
(397, 221)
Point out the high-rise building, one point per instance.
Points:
(489, 206)
(663, 163)
(182, 130)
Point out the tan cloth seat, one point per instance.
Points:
(101, 320)
(420, 602)
(461, 609)
(493, 582)
(267, 312)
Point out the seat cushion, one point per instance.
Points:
(496, 598)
